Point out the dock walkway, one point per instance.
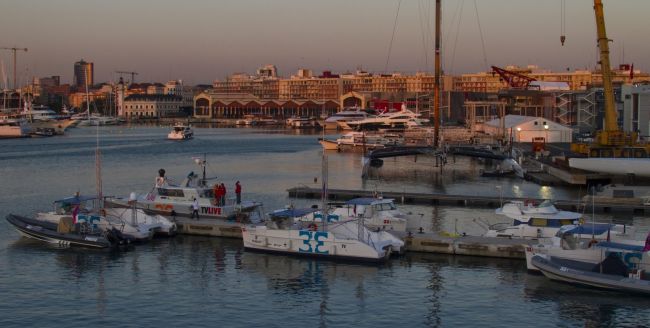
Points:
(492, 201)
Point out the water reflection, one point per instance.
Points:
(587, 306)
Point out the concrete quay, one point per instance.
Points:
(491, 201)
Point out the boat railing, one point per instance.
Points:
(501, 226)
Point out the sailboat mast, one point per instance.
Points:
(324, 195)
(436, 82)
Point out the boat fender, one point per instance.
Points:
(592, 242)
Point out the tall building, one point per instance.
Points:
(83, 74)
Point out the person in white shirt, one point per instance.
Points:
(195, 209)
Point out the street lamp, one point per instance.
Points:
(546, 132)
(518, 134)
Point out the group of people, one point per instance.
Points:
(220, 193)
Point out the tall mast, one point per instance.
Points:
(436, 82)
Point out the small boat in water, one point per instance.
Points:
(377, 213)
(592, 242)
(133, 223)
(66, 233)
(361, 141)
(531, 221)
(172, 200)
(14, 128)
(180, 131)
(611, 274)
(285, 232)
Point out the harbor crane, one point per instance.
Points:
(513, 79)
(611, 141)
(133, 74)
(14, 49)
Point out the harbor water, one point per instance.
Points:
(213, 282)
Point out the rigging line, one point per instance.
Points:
(460, 18)
(390, 45)
(424, 32)
(480, 31)
(450, 28)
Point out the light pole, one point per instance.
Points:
(518, 134)
(546, 132)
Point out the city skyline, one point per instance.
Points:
(200, 41)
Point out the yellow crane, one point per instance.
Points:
(610, 141)
(14, 49)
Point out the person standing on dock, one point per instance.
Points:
(215, 192)
(238, 192)
(223, 194)
(195, 208)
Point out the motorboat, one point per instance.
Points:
(43, 132)
(284, 232)
(301, 122)
(132, 223)
(65, 233)
(610, 273)
(346, 115)
(356, 140)
(175, 200)
(390, 120)
(180, 131)
(591, 242)
(377, 213)
(14, 128)
(94, 119)
(531, 221)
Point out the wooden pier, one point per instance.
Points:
(491, 201)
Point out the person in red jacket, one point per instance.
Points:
(238, 192)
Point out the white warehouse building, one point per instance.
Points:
(525, 128)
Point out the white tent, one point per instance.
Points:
(525, 128)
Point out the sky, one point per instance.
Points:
(199, 41)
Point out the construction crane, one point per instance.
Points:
(610, 141)
(133, 74)
(513, 79)
(14, 49)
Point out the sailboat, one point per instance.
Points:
(284, 232)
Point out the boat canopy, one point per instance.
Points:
(75, 200)
(627, 247)
(585, 229)
(292, 212)
(366, 201)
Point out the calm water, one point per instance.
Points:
(212, 282)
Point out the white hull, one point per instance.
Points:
(169, 207)
(325, 244)
(640, 167)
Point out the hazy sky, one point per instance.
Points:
(199, 41)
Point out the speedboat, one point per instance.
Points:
(347, 239)
(610, 273)
(591, 242)
(531, 221)
(360, 141)
(133, 223)
(180, 131)
(176, 200)
(65, 233)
